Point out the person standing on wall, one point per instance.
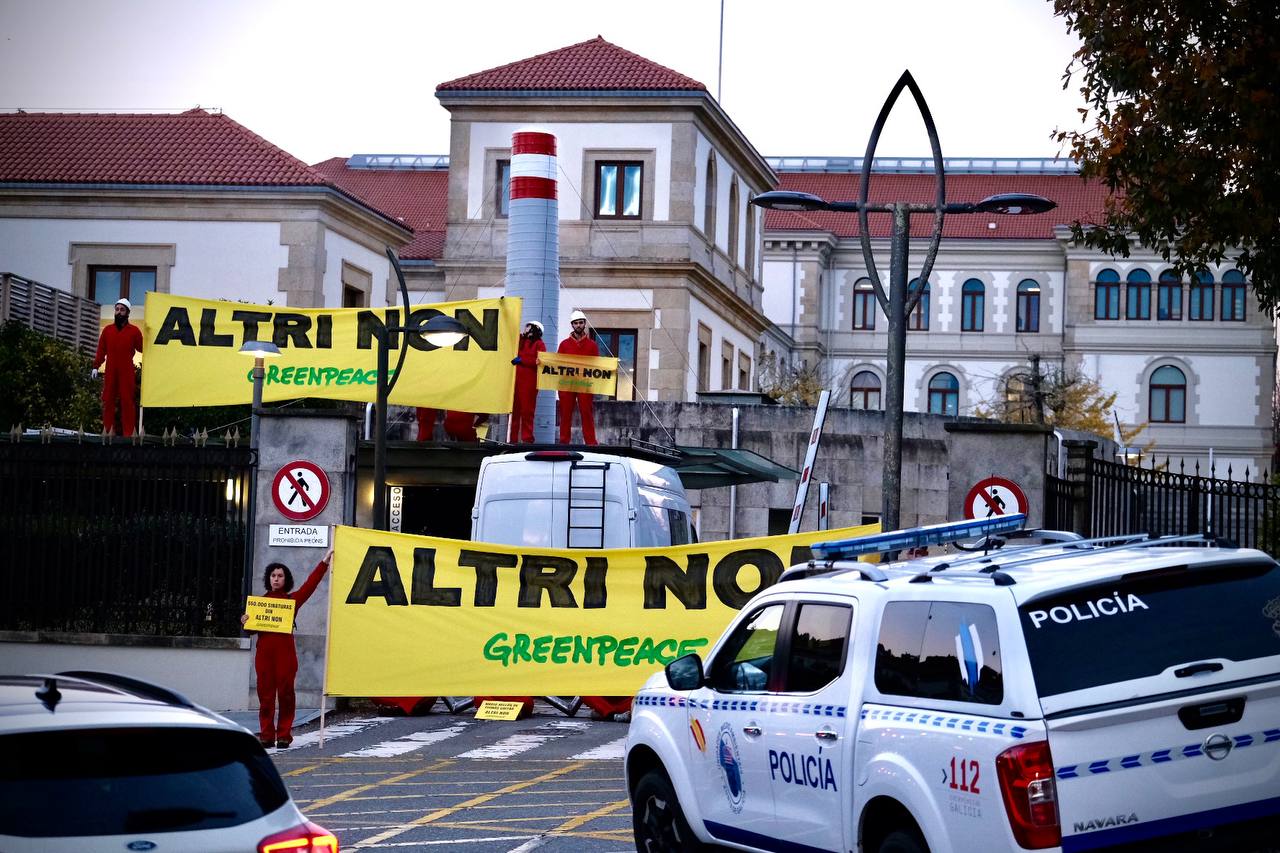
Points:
(276, 660)
(526, 399)
(117, 344)
(578, 343)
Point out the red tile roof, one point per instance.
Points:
(1076, 198)
(592, 65)
(415, 197)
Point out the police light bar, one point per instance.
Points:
(917, 537)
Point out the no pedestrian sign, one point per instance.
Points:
(300, 490)
(994, 497)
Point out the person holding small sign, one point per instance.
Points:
(276, 660)
(578, 343)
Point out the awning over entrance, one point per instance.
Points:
(712, 467)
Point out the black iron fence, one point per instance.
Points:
(122, 539)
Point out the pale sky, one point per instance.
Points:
(323, 79)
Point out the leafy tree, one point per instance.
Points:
(1180, 122)
(45, 381)
(1057, 397)
(790, 384)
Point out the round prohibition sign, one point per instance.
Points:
(300, 490)
(994, 496)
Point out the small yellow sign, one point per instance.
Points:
(581, 374)
(491, 709)
(269, 614)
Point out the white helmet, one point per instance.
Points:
(536, 325)
(125, 303)
(577, 315)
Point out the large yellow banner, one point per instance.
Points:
(582, 374)
(421, 616)
(190, 354)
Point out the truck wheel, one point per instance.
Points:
(903, 841)
(656, 819)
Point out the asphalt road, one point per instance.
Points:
(440, 782)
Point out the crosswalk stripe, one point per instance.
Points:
(332, 732)
(408, 743)
(517, 744)
(605, 751)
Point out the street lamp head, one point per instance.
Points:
(443, 331)
(788, 200)
(259, 349)
(1014, 204)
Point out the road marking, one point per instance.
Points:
(360, 789)
(440, 814)
(516, 744)
(605, 751)
(575, 822)
(337, 730)
(453, 841)
(409, 743)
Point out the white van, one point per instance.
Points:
(579, 499)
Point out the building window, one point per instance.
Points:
(704, 358)
(750, 265)
(1169, 300)
(919, 319)
(352, 297)
(972, 305)
(107, 285)
(726, 366)
(1200, 296)
(620, 344)
(709, 200)
(864, 304)
(865, 392)
(502, 190)
(944, 395)
(618, 189)
(1106, 296)
(1168, 396)
(744, 372)
(1029, 305)
(1138, 298)
(733, 221)
(1233, 288)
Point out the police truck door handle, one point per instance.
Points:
(751, 731)
(826, 735)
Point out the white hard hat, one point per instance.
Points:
(577, 315)
(536, 325)
(125, 303)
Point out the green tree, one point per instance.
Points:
(44, 381)
(1180, 123)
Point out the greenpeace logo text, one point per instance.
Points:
(1112, 605)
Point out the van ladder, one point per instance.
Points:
(586, 504)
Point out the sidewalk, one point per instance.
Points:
(249, 719)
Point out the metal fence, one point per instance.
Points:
(122, 539)
(57, 313)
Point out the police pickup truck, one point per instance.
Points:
(1043, 693)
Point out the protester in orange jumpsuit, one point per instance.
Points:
(578, 343)
(276, 661)
(526, 399)
(117, 344)
(461, 426)
(426, 423)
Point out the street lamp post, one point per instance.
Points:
(901, 300)
(259, 351)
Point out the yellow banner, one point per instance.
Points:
(269, 614)
(190, 348)
(421, 616)
(583, 374)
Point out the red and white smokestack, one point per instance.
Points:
(533, 249)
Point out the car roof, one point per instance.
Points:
(84, 701)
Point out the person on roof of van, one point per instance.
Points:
(526, 399)
(578, 343)
(426, 422)
(461, 426)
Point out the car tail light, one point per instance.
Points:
(307, 838)
(1030, 794)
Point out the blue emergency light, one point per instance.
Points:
(917, 537)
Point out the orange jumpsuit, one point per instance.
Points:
(276, 664)
(568, 399)
(526, 399)
(117, 345)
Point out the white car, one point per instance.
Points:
(95, 761)
(1115, 694)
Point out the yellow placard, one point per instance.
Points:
(190, 347)
(583, 374)
(493, 709)
(274, 615)
(422, 616)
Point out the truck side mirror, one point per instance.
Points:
(685, 673)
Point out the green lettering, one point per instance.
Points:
(625, 650)
(687, 646)
(521, 648)
(496, 649)
(273, 374)
(286, 375)
(541, 647)
(330, 373)
(664, 657)
(606, 645)
(560, 651)
(344, 378)
(644, 654)
(581, 649)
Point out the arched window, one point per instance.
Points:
(944, 395)
(1233, 287)
(864, 304)
(1200, 297)
(972, 307)
(1106, 296)
(733, 220)
(1029, 305)
(865, 392)
(1138, 299)
(1168, 396)
(919, 319)
(750, 265)
(709, 199)
(1169, 301)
